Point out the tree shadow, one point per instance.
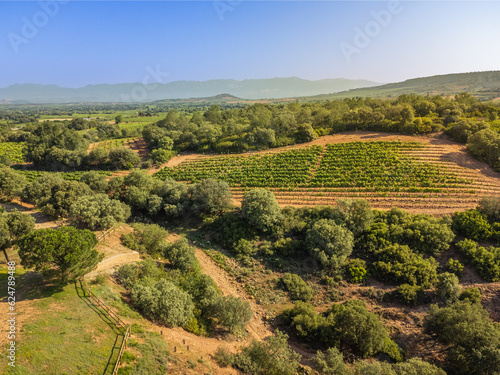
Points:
(106, 318)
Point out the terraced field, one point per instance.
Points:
(420, 175)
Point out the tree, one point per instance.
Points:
(98, 212)
(356, 214)
(53, 195)
(181, 256)
(447, 288)
(210, 197)
(473, 339)
(118, 119)
(123, 158)
(13, 225)
(305, 133)
(69, 250)
(11, 183)
(163, 301)
(330, 242)
(260, 208)
(96, 181)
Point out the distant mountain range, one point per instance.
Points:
(484, 85)
(136, 92)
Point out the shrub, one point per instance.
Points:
(454, 266)
(298, 288)
(473, 295)
(244, 247)
(409, 294)
(163, 301)
(330, 362)
(329, 242)
(473, 339)
(398, 264)
(490, 207)
(181, 256)
(485, 260)
(356, 271)
(447, 288)
(472, 224)
(260, 208)
(273, 356)
(233, 313)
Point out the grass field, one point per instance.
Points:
(59, 333)
(411, 175)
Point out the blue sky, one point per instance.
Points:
(91, 42)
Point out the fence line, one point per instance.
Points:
(118, 322)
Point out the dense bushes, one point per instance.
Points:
(348, 326)
(273, 356)
(398, 264)
(485, 260)
(98, 212)
(201, 308)
(473, 339)
(472, 224)
(298, 288)
(163, 301)
(330, 243)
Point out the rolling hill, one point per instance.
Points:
(485, 85)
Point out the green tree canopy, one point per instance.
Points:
(260, 208)
(330, 242)
(67, 250)
(210, 197)
(11, 183)
(98, 212)
(163, 301)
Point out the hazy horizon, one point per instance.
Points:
(74, 44)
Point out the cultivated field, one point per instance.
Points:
(419, 174)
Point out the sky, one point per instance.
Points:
(75, 43)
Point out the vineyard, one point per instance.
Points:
(110, 144)
(13, 150)
(410, 175)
